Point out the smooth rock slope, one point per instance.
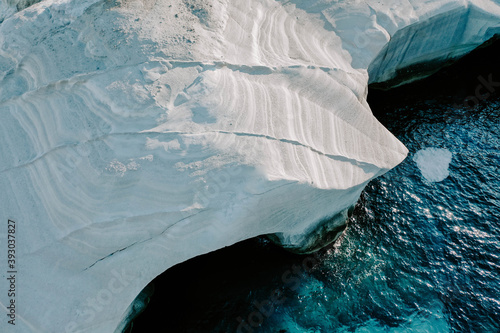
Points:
(135, 135)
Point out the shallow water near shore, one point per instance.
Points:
(419, 254)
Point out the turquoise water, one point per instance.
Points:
(417, 256)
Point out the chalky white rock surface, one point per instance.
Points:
(135, 135)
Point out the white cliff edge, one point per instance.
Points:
(136, 135)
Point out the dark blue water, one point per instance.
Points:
(417, 256)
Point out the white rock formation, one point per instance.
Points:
(135, 135)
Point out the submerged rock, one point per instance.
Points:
(433, 163)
